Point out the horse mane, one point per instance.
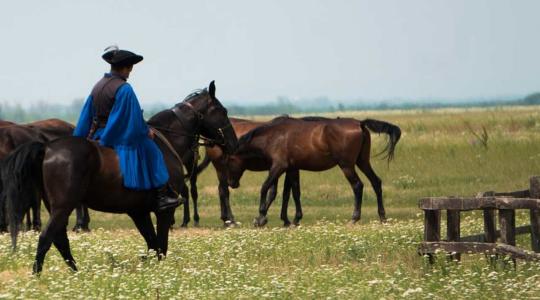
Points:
(315, 118)
(159, 115)
(196, 93)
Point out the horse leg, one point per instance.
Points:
(285, 203)
(143, 222)
(52, 232)
(28, 220)
(3, 215)
(195, 198)
(163, 224)
(271, 180)
(86, 219)
(83, 219)
(295, 186)
(226, 212)
(36, 214)
(357, 187)
(271, 196)
(61, 242)
(187, 217)
(376, 183)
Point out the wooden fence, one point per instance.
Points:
(502, 241)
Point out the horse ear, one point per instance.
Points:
(212, 89)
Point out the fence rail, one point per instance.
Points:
(502, 241)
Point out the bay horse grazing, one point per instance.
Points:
(77, 171)
(214, 153)
(217, 157)
(13, 135)
(316, 144)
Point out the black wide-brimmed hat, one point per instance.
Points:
(119, 58)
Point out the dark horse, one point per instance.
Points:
(314, 144)
(13, 135)
(77, 171)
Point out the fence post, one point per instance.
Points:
(432, 228)
(490, 222)
(453, 229)
(534, 191)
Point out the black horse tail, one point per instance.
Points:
(204, 164)
(394, 134)
(23, 183)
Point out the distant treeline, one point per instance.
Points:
(70, 112)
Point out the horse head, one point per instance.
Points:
(213, 121)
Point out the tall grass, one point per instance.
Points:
(326, 257)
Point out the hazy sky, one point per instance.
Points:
(259, 50)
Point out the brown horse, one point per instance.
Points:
(78, 171)
(13, 135)
(314, 144)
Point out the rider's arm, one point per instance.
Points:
(85, 119)
(126, 124)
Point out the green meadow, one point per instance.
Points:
(445, 152)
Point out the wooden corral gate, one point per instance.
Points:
(502, 241)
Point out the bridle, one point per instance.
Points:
(199, 117)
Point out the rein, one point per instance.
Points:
(195, 147)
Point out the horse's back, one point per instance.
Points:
(316, 144)
(81, 171)
(15, 135)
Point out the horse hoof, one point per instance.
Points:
(36, 270)
(260, 221)
(229, 224)
(80, 228)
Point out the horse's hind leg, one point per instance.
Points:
(61, 242)
(54, 231)
(357, 187)
(376, 183)
(285, 204)
(36, 214)
(295, 186)
(3, 215)
(143, 222)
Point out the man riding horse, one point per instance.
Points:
(112, 115)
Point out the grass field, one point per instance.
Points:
(439, 154)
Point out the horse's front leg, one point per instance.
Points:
(164, 220)
(226, 213)
(270, 181)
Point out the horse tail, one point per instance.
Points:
(23, 183)
(393, 131)
(204, 164)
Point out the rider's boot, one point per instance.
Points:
(164, 201)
